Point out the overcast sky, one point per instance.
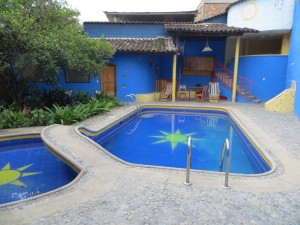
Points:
(92, 10)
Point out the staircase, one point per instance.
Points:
(244, 85)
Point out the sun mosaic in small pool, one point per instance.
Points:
(174, 139)
(11, 176)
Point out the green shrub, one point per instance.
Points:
(39, 117)
(95, 106)
(81, 97)
(62, 115)
(112, 101)
(14, 118)
(38, 99)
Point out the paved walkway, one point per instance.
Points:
(109, 192)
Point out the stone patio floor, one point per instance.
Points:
(110, 192)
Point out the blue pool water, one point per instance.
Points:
(28, 169)
(160, 139)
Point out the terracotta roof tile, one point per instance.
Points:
(208, 29)
(143, 45)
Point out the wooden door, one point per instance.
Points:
(108, 80)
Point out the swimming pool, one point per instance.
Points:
(158, 137)
(28, 169)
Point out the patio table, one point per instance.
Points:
(197, 89)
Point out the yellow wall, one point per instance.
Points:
(285, 44)
(149, 97)
(258, 46)
(284, 102)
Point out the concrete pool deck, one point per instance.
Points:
(109, 192)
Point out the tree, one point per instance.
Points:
(44, 34)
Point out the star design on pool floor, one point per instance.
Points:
(174, 139)
(11, 176)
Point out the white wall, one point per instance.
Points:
(262, 15)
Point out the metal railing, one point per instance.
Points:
(134, 128)
(188, 162)
(225, 76)
(227, 151)
(135, 100)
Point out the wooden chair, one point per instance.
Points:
(200, 96)
(181, 94)
(214, 92)
(166, 95)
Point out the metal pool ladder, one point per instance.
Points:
(227, 150)
(135, 100)
(188, 162)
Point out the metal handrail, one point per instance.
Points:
(135, 100)
(242, 81)
(134, 128)
(188, 162)
(227, 150)
(225, 147)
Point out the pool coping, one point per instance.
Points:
(59, 154)
(101, 171)
(268, 159)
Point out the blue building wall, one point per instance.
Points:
(188, 47)
(226, 92)
(293, 66)
(135, 74)
(165, 67)
(268, 72)
(90, 87)
(218, 19)
(121, 30)
(193, 47)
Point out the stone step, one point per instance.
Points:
(256, 101)
(227, 80)
(251, 97)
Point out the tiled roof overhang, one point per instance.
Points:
(207, 29)
(143, 45)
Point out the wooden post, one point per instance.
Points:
(235, 71)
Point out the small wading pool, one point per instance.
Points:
(28, 169)
(158, 137)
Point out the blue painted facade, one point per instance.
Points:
(193, 47)
(268, 72)
(271, 74)
(218, 19)
(293, 65)
(90, 87)
(123, 30)
(134, 73)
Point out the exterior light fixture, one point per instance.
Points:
(207, 48)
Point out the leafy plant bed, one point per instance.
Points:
(15, 117)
